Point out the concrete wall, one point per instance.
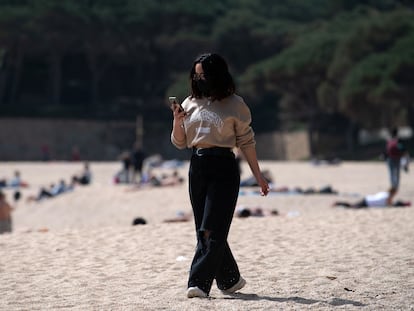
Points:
(23, 139)
(283, 146)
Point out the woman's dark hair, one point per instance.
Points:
(216, 73)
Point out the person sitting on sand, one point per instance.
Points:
(180, 217)
(5, 214)
(44, 193)
(53, 191)
(15, 182)
(85, 178)
(61, 187)
(380, 199)
(167, 180)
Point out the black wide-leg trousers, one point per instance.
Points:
(214, 183)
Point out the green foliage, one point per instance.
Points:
(352, 64)
(378, 71)
(2, 54)
(293, 60)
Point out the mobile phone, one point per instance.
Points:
(174, 102)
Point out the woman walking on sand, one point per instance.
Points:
(212, 121)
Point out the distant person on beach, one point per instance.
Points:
(14, 182)
(154, 181)
(75, 154)
(298, 190)
(123, 176)
(170, 180)
(180, 217)
(43, 193)
(5, 214)
(252, 182)
(45, 152)
(62, 187)
(395, 151)
(212, 121)
(53, 191)
(244, 212)
(137, 158)
(85, 178)
(284, 190)
(380, 199)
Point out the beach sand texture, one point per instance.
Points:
(79, 251)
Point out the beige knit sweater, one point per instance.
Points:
(224, 123)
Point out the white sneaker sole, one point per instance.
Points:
(239, 285)
(195, 292)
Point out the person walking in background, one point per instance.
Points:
(75, 154)
(395, 151)
(5, 214)
(212, 121)
(138, 157)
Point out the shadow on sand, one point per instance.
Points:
(300, 300)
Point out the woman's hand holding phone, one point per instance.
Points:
(174, 104)
(178, 110)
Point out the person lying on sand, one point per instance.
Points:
(53, 191)
(164, 180)
(180, 217)
(297, 191)
(251, 181)
(380, 199)
(244, 211)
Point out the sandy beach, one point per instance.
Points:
(79, 251)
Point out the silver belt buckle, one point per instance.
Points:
(197, 152)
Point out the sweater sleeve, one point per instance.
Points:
(178, 143)
(244, 132)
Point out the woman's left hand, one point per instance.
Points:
(264, 186)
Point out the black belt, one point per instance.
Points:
(213, 151)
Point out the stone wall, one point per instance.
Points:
(283, 146)
(29, 139)
(25, 140)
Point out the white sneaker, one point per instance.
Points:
(239, 285)
(195, 292)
